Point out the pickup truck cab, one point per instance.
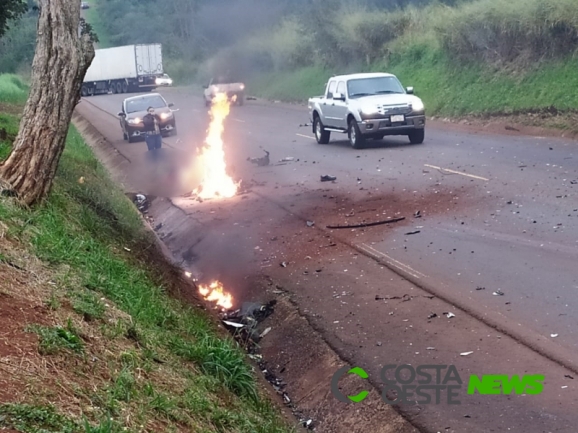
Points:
(370, 105)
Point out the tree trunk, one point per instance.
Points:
(60, 62)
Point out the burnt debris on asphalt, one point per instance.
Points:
(242, 324)
(328, 178)
(260, 161)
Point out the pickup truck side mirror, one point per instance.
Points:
(409, 90)
(338, 97)
(121, 114)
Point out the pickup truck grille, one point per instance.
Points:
(388, 110)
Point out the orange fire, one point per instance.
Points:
(215, 292)
(215, 180)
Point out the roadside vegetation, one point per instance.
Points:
(94, 338)
(463, 57)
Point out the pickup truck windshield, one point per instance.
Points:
(373, 86)
(142, 104)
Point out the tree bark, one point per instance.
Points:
(60, 62)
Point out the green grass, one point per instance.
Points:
(446, 90)
(55, 339)
(9, 122)
(12, 89)
(81, 232)
(35, 419)
(293, 86)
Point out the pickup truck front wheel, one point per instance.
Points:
(417, 136)
(321, 135)
(355, 138)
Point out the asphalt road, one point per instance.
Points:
(499, 215)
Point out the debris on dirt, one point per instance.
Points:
(283, 264)
(414, 232)
(287, 159)
(378, 343)
(310, 223)
(432, 316)
(262, 161)
(553, 335)
(81, 179)
(480, 288)
(449, 315)
(511, 128)
(158, 227)
(265, 332)
(498, 293)
(430, 348)
(417, 214)
(351, 226)
(466, 353)
(327, 178)
(304, 125)
(509, 202)
(127, 249)
(568, 376)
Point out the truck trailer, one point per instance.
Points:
(129, 68)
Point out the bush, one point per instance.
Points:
(522, 31)
(12, 89)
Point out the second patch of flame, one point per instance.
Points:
(215, 292)
(216, 182)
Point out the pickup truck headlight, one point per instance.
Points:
(165, 116)
(417, 106)
(369, 110)
(134, 121)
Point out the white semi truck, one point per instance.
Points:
(124, 69)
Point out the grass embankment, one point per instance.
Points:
(480, 57)
(92, 341)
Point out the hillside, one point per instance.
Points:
(464, 58)
(94, 338)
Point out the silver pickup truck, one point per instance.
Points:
(370, 105)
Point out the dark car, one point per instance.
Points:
(135, 108)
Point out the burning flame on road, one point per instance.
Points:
(215, 292)
(215, 181)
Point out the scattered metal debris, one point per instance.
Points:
(449, 315)
(480, 288)
(466, 353)
(553, 335)
(498, 293)
(351, 226)
(310, 223)
(414, 232)
(432, 316)
(327, 178)
(262, 161)
(283, 264)
(568, 376)
(417, 214)
(287, 159)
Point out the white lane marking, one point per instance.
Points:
(306, 136)
(396, 263)
(456, 172)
